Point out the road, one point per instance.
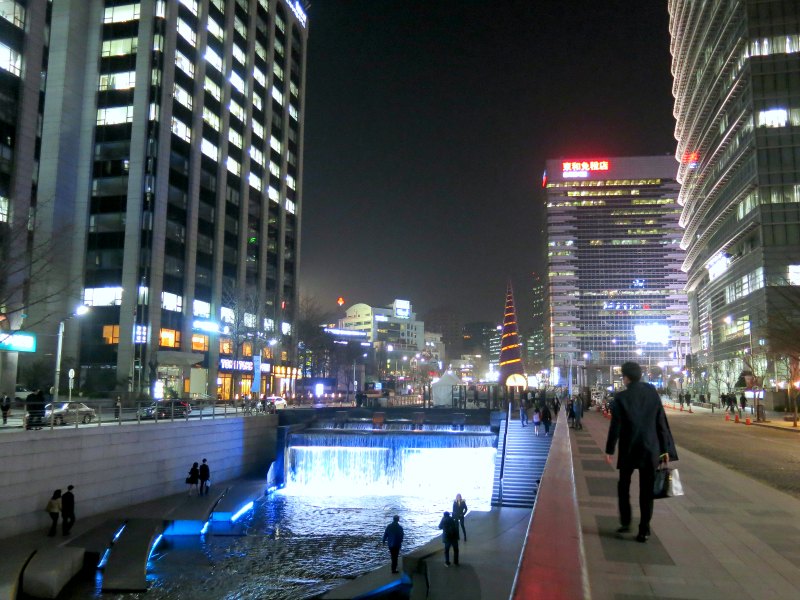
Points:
(769, 455)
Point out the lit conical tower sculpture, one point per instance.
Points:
(512, 371)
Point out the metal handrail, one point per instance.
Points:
(503, 457)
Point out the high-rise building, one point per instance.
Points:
(535, 339)
(170, 181)
(615, 283)
(736, 68)
(476, 337)
(23, 73)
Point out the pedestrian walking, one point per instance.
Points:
(117, 407)
(459, 512)
(53, 508)
(67, 510)
(571, 413)
(393, 538)
(639, 424)
(680, 399)
(193, 478)
(450, 537)
(523, 413)
(537, 420)
(577, 408)
(743, 402)
(205, 476)
(5, 406)
(547, 419)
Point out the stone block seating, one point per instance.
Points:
(50, 570)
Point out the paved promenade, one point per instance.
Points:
(730, 536)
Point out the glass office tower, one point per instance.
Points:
(615, 287)
(172, 169)
(736, 68)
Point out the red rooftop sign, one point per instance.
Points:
(574, 168)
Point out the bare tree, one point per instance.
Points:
(782, 334)
(241, 318)
(313, 345)
(22, 262)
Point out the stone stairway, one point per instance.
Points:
(525, 457)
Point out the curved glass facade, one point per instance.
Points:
(736, 68)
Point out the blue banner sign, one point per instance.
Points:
(17, 341)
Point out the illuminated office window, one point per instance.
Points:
(121, 14)
(111, 334)
(117, 81)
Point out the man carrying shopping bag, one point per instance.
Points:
(639, 424)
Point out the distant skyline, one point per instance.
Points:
(427, 129)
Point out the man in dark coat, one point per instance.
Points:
(205, 475)
(450, 537)
(67, 510)
(640, 425)
(393, 537)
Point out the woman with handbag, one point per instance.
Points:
(193, 479)
(53, 508)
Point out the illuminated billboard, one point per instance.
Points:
(18, 341)
(582, 168)
(402, 309)
(651, 333)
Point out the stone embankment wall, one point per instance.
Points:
(113, 466)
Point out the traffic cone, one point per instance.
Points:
(747, 421)
(736, 418)
(727, 417)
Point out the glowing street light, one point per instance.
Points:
(79, 311)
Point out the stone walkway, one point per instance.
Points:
(728, 537)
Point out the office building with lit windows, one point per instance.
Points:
(395, 325)
(169, 189)
(23, 68)
(736, 69)
(615, 286)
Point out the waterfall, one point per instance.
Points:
(390, 463)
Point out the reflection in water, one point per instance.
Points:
(320, 530)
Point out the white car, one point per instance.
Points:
(278, 402)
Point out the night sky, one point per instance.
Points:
(426, 130)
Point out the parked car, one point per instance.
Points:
(166, 410)
(276, 402)
(20, 393)
(67, 412)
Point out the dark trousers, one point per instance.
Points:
(394, 552)
(67, 521)
(5, 417)
(647, 477)
(203, 486)
(463, 529)
(523, 416)
(447, 546)
(53, 525)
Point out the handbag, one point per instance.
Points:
(667, 484)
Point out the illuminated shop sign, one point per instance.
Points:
(298, 11)
(625, 306)
(18, 341)
(229, 364)
(402, 309)
(345, 332)
(574, 168)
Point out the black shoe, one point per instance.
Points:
(642, 537)
(395, 572)
(446, 564)
(624, 529)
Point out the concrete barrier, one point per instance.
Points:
(117, 466)
(50, 570)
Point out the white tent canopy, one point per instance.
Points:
(442, 390)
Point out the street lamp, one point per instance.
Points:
(80, 311)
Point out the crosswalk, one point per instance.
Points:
(525, 456)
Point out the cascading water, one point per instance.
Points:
(390, 463)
